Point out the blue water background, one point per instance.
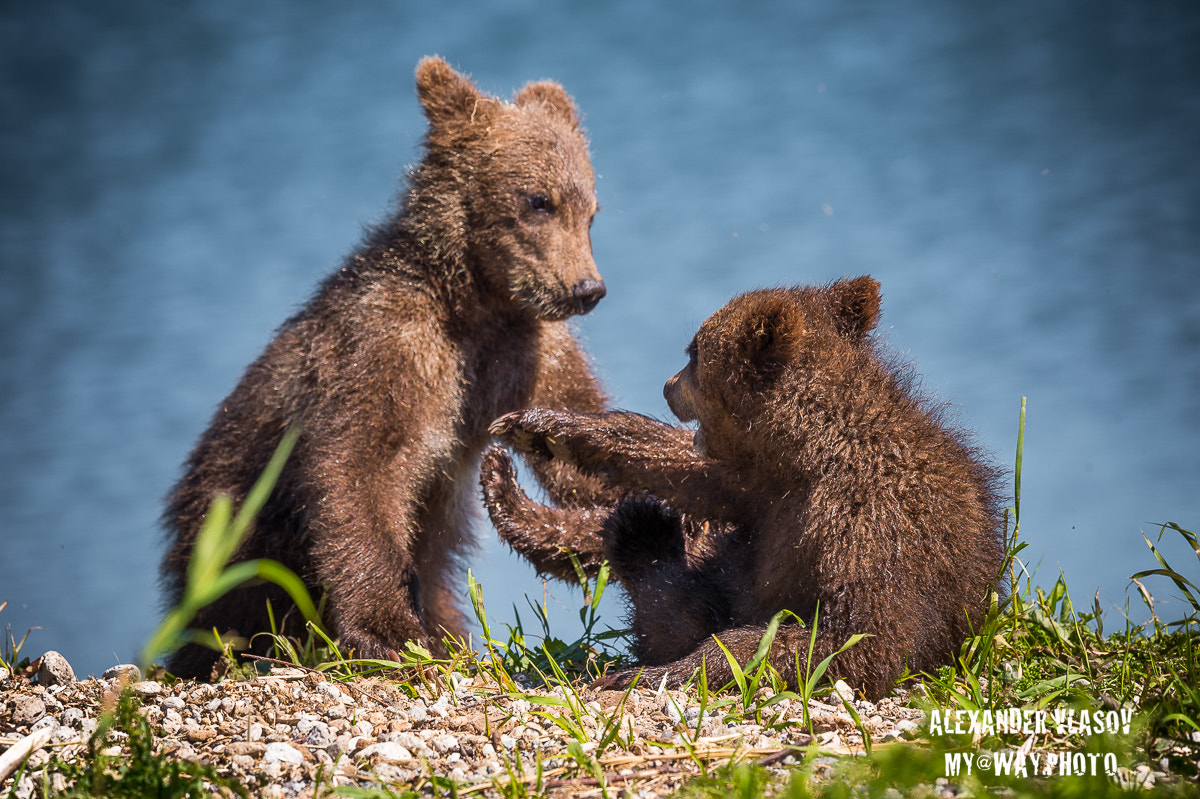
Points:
(1022, 177)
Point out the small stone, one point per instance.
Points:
(72, 716)
(508, 742)
(44, 722)
(24, 709)
(242, 748)
(201, 734)
(281, 752)
(843, 692)
(55, 670)
(444, 744)
(417, 712)
(462, 685)
(909, 729)
(203, 692)
(255, 733)
(387, 752)
(406, 739)
(319, 735)
(441, 708)
(341, 745)
(173, 703)
(334, 693)
(64, 734)
(391, 773)
(146, 688)
(124, 672)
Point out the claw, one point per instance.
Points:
(505, 424)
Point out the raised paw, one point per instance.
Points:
(497, 475)
(538, 431)
(502, 495)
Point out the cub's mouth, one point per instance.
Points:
(554, 305)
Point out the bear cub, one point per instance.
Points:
(450, 313)
(817, 481)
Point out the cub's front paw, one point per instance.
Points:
(505, 500)
(536, 431)
(497, 476)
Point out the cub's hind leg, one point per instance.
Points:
(674, 603)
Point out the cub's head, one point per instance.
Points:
(764, 348)
(517, 179)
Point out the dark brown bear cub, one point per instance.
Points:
(817, 482)
(451, 313)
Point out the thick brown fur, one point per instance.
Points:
(451, 313)
(827, 487)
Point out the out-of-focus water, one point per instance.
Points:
(1023, 178)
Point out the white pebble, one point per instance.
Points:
(124, 671)
(335, 693)
(280, 752)
(445, 743)
(388, 751)
(843, 691)
(441, 708)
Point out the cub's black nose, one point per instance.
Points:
(587, 293)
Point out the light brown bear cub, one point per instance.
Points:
(451, 313)
(817, 482)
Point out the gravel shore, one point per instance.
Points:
(293, 732)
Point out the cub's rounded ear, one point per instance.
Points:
(552, 98)
(855, 305)
(772, 333)
(447, 96)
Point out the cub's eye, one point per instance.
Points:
(540, 202)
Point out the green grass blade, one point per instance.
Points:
(262, 488)
(739, 676)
